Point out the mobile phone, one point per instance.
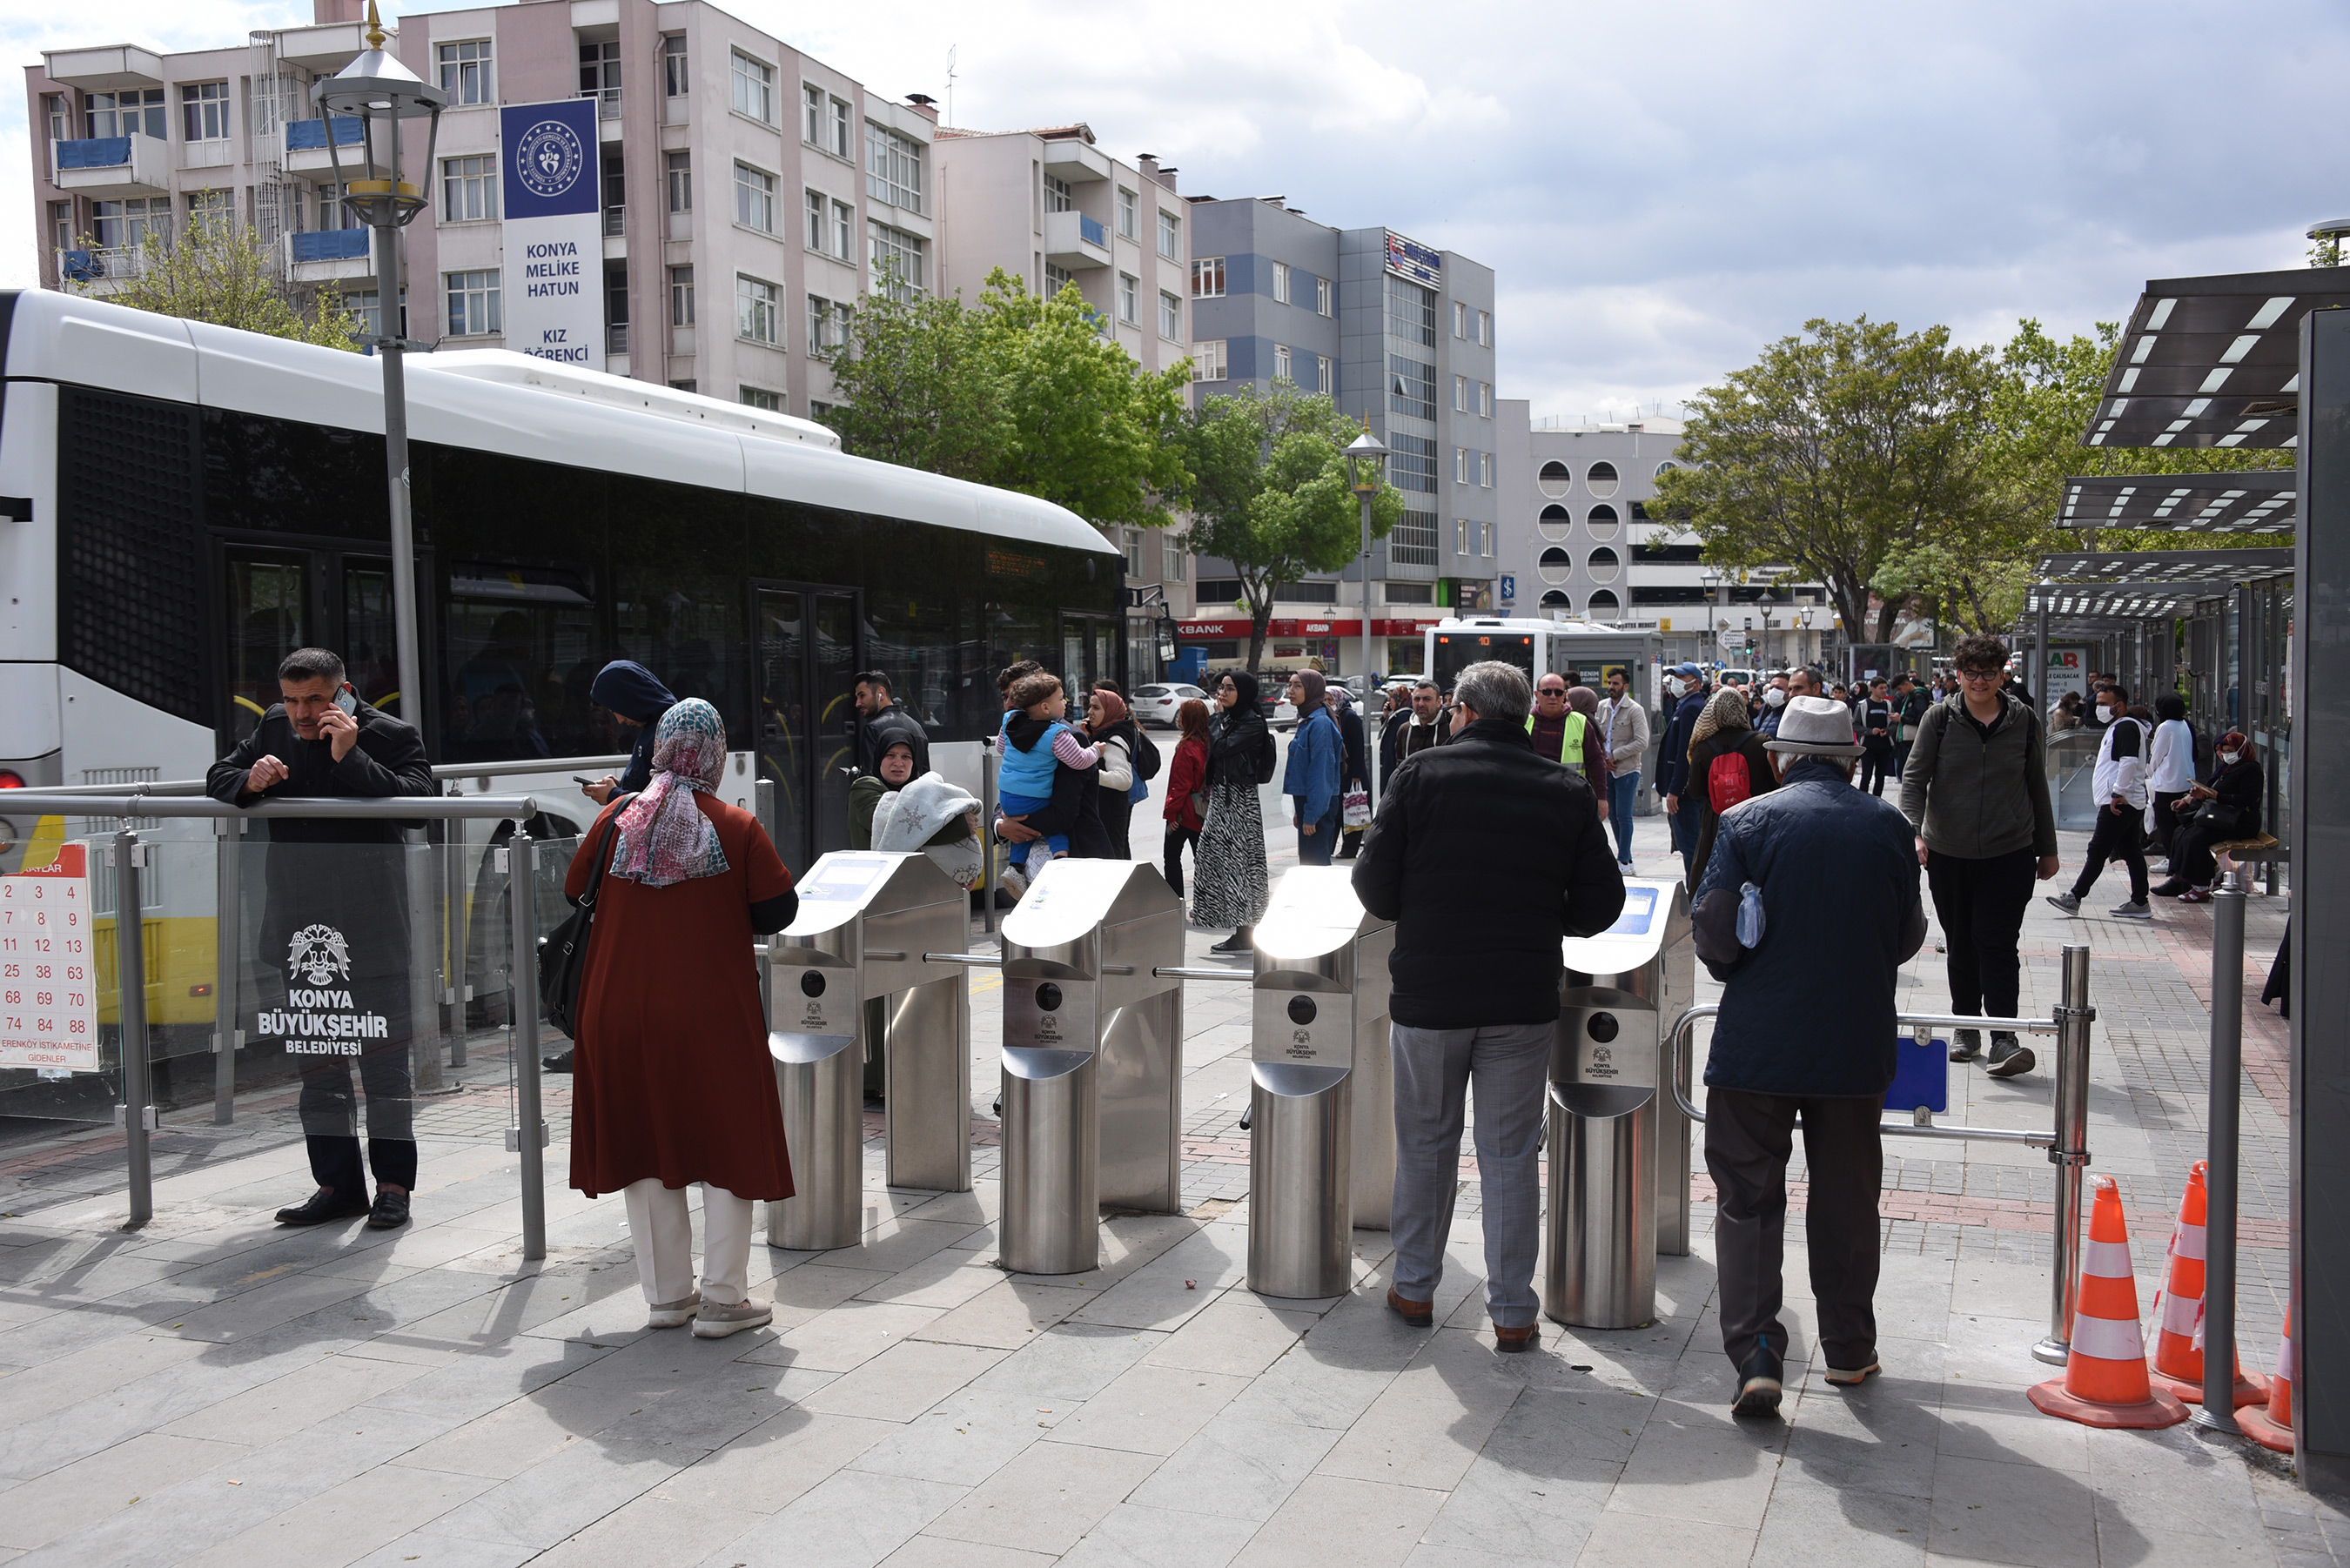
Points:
(346, 701)
(578, 780)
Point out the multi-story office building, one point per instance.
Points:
(1579, 542)
(1397, 332)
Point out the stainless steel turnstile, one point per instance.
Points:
(865, 921)
(1322, 1091)
(1619, 1147)
(1093, 1059)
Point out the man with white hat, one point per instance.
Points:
(1814, 866)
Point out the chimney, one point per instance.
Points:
(925, 104)
(327, 12)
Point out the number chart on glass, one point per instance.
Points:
(48, 990)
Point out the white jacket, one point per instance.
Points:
(2172, 768)
(907, 820)
(2121, 764)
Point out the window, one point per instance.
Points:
(681, 297)
(211, 211)
(1208, 277)
(333, 214)
(760, 398)
(60, 117)
(1172, 547)
(687, 385)
(1600, 478)
(897, 262)
(812, 114)
(134, 111)
(1057, 278)
(837, 127)
(1281, 362)
(1170, 315)
(843, 231)
(754, 88)
(1412, 541)
(1600, 522)
(1602, 564)
(466, 75)
(1410, 593)
(203, 108)
(1460, 536)
(893, 168)
(757, 307)
(827, 324)
(680, 165)
(599, 77)
(1325, 370)
(819, 411)
(1411, 312)
(811, 212)
(1485, 470)
(1460, 465)
(468, 188)
(755, 198)
(1485, 399)
(1057, 197)
(130, 225)
(1324, 302)
(1130, 545)
(1484, 538)
(1412, 465)
(1130, 214)
(1129, 299)
(1281, 283)
(363, 306)
(1411, 387)
(61, 226)
(1208, 363)
(674, 81)
(1219, 590)
(1460, 394)
(1485, 328)
(1553, 479)
(1171, 234)
(475, 309)
(1460, 319)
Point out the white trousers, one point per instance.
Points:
(662, 1225)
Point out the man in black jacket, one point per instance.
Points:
(333, 943)
(882, 721)
(1426, 721)
(1485, 854)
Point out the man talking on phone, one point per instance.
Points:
(333, 949)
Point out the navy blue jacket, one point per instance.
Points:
(629, 690)
(1810, 1010)
(1673, 756)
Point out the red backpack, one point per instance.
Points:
(1727, 782)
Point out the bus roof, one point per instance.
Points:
(1550, 627)
(493, 401)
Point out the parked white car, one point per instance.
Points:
(1157, 704)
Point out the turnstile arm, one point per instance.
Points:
(1175, 973)
(975, 961)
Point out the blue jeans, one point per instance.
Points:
(1623, 789)
(1314, 848)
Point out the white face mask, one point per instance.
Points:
(1774, 698)
(1672, 685)
(2229, 757)
(2104, 714)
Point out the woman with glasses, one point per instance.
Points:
(1230, 886)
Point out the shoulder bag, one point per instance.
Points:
(563, 951)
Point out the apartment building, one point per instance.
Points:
(1581, 543)
(1398, 333)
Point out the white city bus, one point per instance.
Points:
(1583, 651)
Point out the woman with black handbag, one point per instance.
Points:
(672, 1080)
(2227, 808)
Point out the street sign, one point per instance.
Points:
(1509, 587)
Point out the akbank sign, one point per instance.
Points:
(554, 274)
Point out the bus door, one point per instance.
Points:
(807, 642)
(278, 599)
(1089, 645)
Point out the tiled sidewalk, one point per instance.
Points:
(214, 1389)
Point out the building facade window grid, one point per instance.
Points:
(1281, 363)
(1129, 299)
(755, 198)
(1324, 297)
(1281, 283)
(675, 79)
(203, 110)
(828, 325)
(477, 308)
(1171, 317)
(1208, 361)
(893, 167)
(1411, 463)
(681, 297)
(1171, 234)
(1325, 373)
(1411, 387)
(1412, 541)
(1130, 211)
(132, 112)
(897, 262)
(211, 211)
(680, 167)
(599, 74)
(1411, 313)
(468, 188)
(1059, 197)
(1208, 277)
(757, 307)
(753, 87)
(759, 397)
(468, 74)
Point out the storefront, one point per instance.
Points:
(1332, 646)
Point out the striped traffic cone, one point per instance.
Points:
(2272, 1427)
(2104, 1381)
(2179, 1310)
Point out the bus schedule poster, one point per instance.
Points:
(48, 990)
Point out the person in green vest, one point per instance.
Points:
(1562, 734)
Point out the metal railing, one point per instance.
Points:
(2067, 1141)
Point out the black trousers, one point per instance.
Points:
(1177, 839)
(1980, 905)
(2167, 822)
(335, 1162)
(1875, 766)
(2119, 835)
(1748, 1138)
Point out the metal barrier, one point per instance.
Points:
(2067, 1141)
(865, 923)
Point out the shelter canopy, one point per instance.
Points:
(2213, 361)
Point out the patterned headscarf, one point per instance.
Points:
(664, 837)
(1726, 709)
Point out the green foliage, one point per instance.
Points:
(1020, 392)
(223, 274)
(1270, 492)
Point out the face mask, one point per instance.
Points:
(2229, 757)
(1672, 685)
(1774, 698)
(2104, 714)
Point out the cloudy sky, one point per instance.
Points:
(1661, 189)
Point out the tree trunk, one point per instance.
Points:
(1260, 614)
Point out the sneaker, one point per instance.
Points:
(2068, 902)
(1852, 1377)
(672, 1314)
(2009, 1055)
(390, 1211)
(1626, 868)
(716, 1320)
(2135, 909)
(324, 1206)
(2196, 896)
(1758, 1384)
(1967, 1045)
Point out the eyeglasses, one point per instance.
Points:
(1980, 674)
(1551, 692)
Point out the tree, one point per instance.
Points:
(1270, 492)
(1834, 452)
(223, 274)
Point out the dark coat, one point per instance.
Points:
(1672, 753)
(1075, 810)
(629, 690)
(1397, 740)
(885, 729)
(1350, 729)
(387, 760)
(1485, 856)
(1761, 779)
(1240, 742)
(1838, 870)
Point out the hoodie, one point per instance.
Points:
(632, 692)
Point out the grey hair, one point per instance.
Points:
(1493, 690)
(1781, 761)
(312, 664)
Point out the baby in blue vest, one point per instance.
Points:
(1034, 740)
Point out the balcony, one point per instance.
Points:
(103, 70)
(1073, 240)
(111, 167)
(1076, 161)
(328, 256)
(101, 272)
(608, 111)
(306, 145)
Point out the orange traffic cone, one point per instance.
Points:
(2179, 1310)
(2272, 1427)
(2104, 1381)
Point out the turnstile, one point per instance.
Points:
(866, 920)
(1093, 1056)
(1619, 1147)
(1321, 1089)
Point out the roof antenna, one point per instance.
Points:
(951, 76)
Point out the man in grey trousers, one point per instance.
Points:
(1485, 854)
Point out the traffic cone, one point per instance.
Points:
(2179, 1310)
(2104, 1381)
(2272, 1427)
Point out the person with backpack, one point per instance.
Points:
(1727, 763)
(1114, 732)
(2119, 788)
(1910, 701)
(1229, 885)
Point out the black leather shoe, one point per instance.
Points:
(391, 1211)
(557, 1064)
(1759, 1383)
(1240, 942)
(325, 1206)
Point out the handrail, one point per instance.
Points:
(373, 808)
(973, 961)
(445, 771)
(1172, 972)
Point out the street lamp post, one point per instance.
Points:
(379, 92)
(1767, 603)
(1363, 455)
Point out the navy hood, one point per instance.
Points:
(631, 691)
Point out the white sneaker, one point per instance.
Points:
(1626, 868)
(672, 1314)
(716, 1320)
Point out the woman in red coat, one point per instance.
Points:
(673, 1082)
(1187, 784)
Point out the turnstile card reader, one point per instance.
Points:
(865, 920)
(1093, 1058)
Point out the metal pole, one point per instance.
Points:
(521, 1006)
(131, 1008)
(389, 339)
(764, 797)
(2218, 1411)
(228, 939)
(2042, 688)
(2071, 1154)
(987, 880)
(1367, 681)
(455, 987)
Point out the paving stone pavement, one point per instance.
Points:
(214, 1389)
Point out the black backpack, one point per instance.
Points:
(1145, 755)
(1265, 760)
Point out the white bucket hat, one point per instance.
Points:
(1815, 727)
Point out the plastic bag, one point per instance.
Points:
(1354, 810)
(1752, 921)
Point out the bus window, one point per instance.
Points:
(1456, 650)
(268, 617)
(514, 637)
(371, 648)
